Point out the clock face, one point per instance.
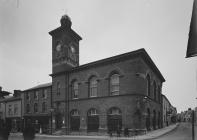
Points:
(72, 52)
(58, 47)
(72, 49)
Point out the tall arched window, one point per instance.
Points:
(35, 107)
(93, 87)
(148, 84)
(155, 90)
(114, 84)
(75, 90)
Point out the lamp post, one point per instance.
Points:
(52, 110)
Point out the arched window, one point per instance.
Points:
(28, 108)
(74, 113)
(114, 84)
(92, 112)
(93, 87)
(44, 106)
(155, 90)
(114, 111)
(148, 84)
(35, 107)
(36, 95)
(75, 90)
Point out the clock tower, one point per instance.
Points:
(65, 46)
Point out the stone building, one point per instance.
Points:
(169, 114)
(11, 109)
(37, 106)
(119, 92)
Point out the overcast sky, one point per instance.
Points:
(108, 28)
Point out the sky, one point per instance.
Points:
(108, 28)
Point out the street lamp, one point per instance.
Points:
(52, 110)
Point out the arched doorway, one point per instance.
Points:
(154, 119)
(148, 119)
(114, 119)
(92, 120)
(74, 120)
(58, 120)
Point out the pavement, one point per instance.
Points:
(148, 136)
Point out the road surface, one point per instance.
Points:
(182, 132)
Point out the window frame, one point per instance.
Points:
(114, 84)
(44, 107)
(27, 96)
(75, 90)
(74, 113)
(44, 94)
(93, 112)
(36, 92)
(93, 87)
(35, 107)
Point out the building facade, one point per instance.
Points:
(37, 106)
(2, 110)
(169, 112)
(119, 92)
(12, 110)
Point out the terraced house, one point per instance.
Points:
(37, 105)
(118, 92)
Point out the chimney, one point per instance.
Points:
(17, 93)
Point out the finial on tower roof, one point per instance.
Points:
(66, 21)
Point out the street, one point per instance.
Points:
(182, 132)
